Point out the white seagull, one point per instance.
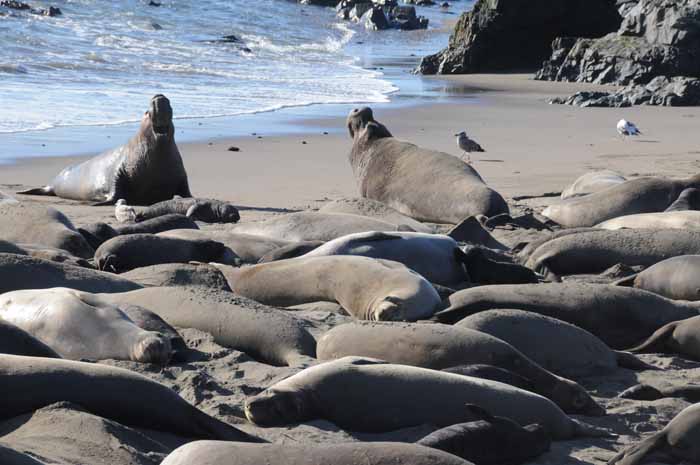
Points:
(627, 128)
(467, 145)
(124, 213)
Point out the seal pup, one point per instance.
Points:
(30, 383)
(592, 182)
(249, 248)
(641, 195)
(687, 392)
(98, 233)
(369, 395)
(206, 210)
(424, 184)
(367, 288)
(686, 219)
(78, 326)
(146, 170)
(677, 278)
(688, 200)
(679, 439)
(678, 337)
(481, 441)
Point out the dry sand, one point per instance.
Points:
(532, 148)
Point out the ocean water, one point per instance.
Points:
(99, 63)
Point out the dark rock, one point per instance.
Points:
(419, 2)
(510, 35)
(14, 5)
(152, 3)
(375, 19)
(332, 3)
(404, 17)
(234, 149)
(359, 10)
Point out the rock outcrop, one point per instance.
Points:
(377, 15)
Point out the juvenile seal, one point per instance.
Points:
(481, 441)
(375, 209)
(680, 439)
(98, 233)
(687, 392)
(179, 274)
(642, 195)
(437, 347)
(146, 170)
(16, 341)
(30, 383)
(688, 200)
(206, 210)
(367, 453)
(249, 248)
(367, 288)
(124, 253)
(593, 182)
(619, 316)
(424, 184)
(368, 395)
(677, 278)
(686, 219)
(679, 337)
(78, 326)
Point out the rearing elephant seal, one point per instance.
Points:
(146, 170)
(424, 184)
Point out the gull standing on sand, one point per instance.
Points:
(467, 145)
(124, 213)
(627, 128)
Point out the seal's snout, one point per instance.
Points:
(154, 348)
(229, 214)
(161, 114)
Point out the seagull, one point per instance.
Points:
(467, 145)
(626, 128)
(124, 213)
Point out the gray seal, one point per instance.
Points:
(592, 182)
(678, 337)
(677, 278)
(375, 209)
(146, 170)
(249, 248)
(206, 210)
(688, 200)
(98, 233)
(179, 274)
(424, 184)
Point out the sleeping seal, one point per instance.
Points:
(686, 219)
(424, 184)
(374, 209)
(146, 170)
(593, 182)
(677, 278)
(206, 210)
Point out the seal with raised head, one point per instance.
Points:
(677, 278)
(79, 326)
(206, 210)
(424, 184)
(146, 170)
(592, 182)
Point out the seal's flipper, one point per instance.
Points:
(657, 341)
(627, 281)
(46, 190)
(631, 362)
(635, 455)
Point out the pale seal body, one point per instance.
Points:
(619, 316)
(30, 383)
(642, 195)
(146, 170)
(438, 347)
(368, 395)
(206, 210)
(593, 182)
(677, 278)
(424, 184)
(374, 209)
(367, 288)
(678, 337)
(78, 326)
(688, 219)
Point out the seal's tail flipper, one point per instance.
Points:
(46, 190)
(655, 342)
(635, 454)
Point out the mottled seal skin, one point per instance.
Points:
(642, 195)
(30, 383)
(680, 439)
(596, 251)
(37, 224)
(146, 170)
(569, 351)
(267, 334)
(621, 317)
(437, 346)
(688, 200)
(482, 441)
(592, 182)
(367, 453)
(249, 248)
(424, 184)
(369, 395)
(687, 219)
(493, 373)
(124, 253)
(206, 210)
(678, 337)
(677, 278)
(16, 341)
(367, 288)
(375, 209)
(78, 326)
(22, 272)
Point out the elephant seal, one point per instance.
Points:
(619, 316)
(369, 395)
(596, 251)
(424, 184)
(437, 346)
(30, 383)
(481, 442)
(38, 224)
(677, 278)
(179, 274)
(436, 257)
(367, 288)
(313, 226)
(679, 439)
(206, 210)
(249, 248)
(570, 351)
(270, 335)
(146, 170)
(687, 392)
(593, 182)
(78, 326)
(688, 219)
(374, 209)
(151, 321)
(524, 250)
(642, 195)
(10, 456)
(16, 341)
(484, 270)
(688, 200)
(366, 453)
(293, 250)
(54, 255)
(124, 253)
(678, 337)
(21, 272)
(493, 373)
(98, 233)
